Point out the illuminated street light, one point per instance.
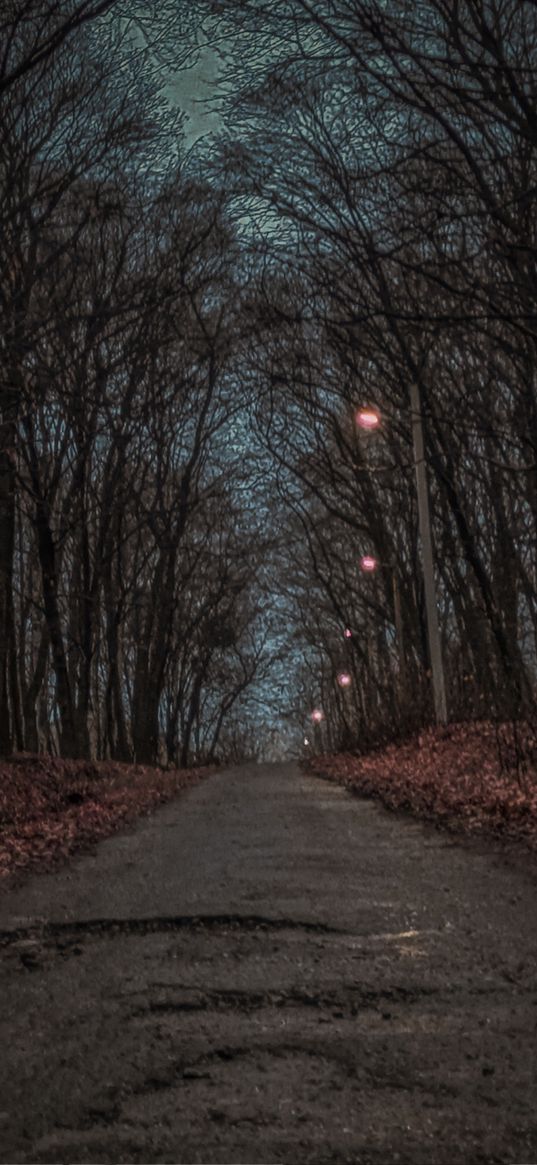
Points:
(317, 715)
(369, 564)
(306, 741)
(368, 419)
(427, 558)
(344, 679)
(347, 633)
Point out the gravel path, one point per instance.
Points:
(271, 970)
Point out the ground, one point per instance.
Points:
(270, 969)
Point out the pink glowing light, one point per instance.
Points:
(368, 563)
(347, 633)
(344, 679)
(368, 419)
(317, 715)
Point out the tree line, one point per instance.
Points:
(187, 336)
(129, 596)
(385, 153)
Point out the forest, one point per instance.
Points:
(191, 336)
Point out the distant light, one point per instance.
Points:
(317, 715)
(368, 419)
(344, 679)
(347, 633)
(368, 563)
(306, 741)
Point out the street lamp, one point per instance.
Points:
(364, 418)
(368, 419)
(317, 717)
(424, 519)
(368, 564)
(344, 679)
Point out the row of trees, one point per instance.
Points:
(178, 333)
(130, 599)
(384, 154)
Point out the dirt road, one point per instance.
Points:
(270, 970)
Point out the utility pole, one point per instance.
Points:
(424, 519)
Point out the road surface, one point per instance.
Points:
(272, 970)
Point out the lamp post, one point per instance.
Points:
(368, 419)
(317, 717)
(424, 520)
(369, 564)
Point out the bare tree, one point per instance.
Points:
(394, 147)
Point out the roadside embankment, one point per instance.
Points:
(452, 776)
(51, 808)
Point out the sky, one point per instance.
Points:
(189, 89)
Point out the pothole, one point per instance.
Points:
(57, 931)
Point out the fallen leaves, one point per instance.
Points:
(452, 776)
(50, 808)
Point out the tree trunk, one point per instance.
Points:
(191, 716)
(8, 422)
(47, 559)
(32, 696)
(14, 685)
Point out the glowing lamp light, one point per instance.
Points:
(347, 633)
(344, 679)
(306, 741)
(317, 715)
(368, 563)
(368, 419)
